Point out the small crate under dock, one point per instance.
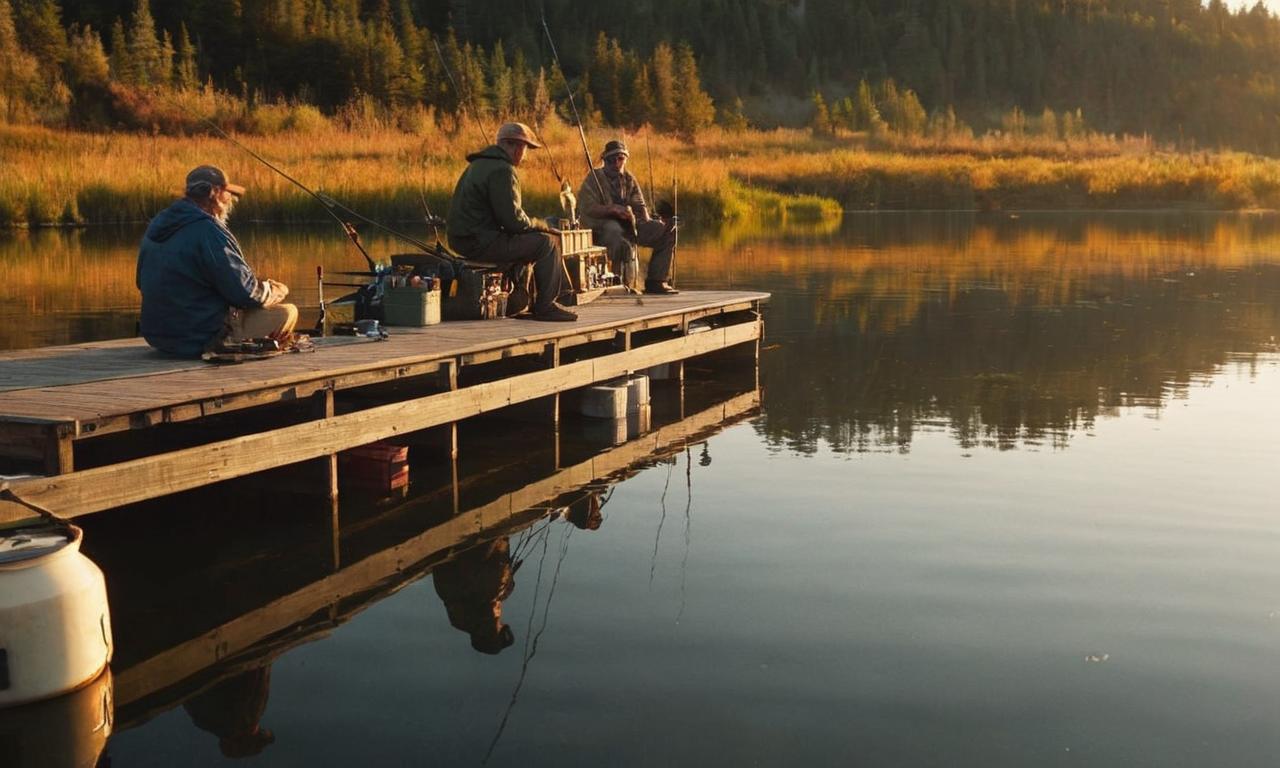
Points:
(64, 410)
(375, 467)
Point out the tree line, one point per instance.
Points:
(330, 54)
(1199, 74)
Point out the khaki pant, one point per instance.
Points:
(258, 322)
(652, 234)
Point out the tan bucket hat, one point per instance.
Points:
(518, 132)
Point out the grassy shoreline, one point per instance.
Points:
(66, 178)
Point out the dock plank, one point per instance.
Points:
(109, 389)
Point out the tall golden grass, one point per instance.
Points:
(57, 177)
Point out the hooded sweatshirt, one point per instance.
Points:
(190, 272)
(487, 202)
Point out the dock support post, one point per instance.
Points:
(759, 339)
(335, 531)
(450, 372)
(551, 358)
(58, 455)
(325, 407)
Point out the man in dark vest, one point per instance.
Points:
(621, 219)
(487, 223)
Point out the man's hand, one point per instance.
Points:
(278, 291)
(622, 212)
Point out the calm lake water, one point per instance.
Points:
(1008, 499)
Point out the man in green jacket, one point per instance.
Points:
(487, 223)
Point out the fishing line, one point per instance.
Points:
(330, 205)
(325, 201)
(586, 151)
(653, 563)
(463, 100)
(532, 638)
(688, 526)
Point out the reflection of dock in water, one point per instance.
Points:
(172, 673)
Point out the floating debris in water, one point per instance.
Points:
(1097, 658)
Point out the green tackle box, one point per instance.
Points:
(411, 306)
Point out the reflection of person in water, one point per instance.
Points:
(473, 586)
(584, 514)
(231, 710)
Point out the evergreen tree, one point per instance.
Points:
(820, 123)
(146, 53)
(662, 66)
(540, 100)
(123, 68)
(865, 114)
(90, 66)
(642, 105)
(19, 70)
(734, 117)
(185, 75)
(501, 90)
(695, 110)
(40, 33)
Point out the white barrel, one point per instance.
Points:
(55, 628)
(637, 392)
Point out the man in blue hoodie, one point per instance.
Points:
(196, 288)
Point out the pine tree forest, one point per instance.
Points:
(1185, 73)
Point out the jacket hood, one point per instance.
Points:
(491, 152)
(167, 223)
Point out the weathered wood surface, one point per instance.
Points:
(105, 396)
(100, 488)
(388, 571)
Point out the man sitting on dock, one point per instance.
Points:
(196, 288)
(620, 219)
(487, 223)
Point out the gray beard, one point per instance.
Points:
(225, 213)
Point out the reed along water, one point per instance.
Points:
(1009, 500)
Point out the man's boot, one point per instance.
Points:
(554, 313)
(659, 287)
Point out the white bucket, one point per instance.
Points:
(55, 628)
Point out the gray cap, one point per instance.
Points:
(615, 147)
(212, 176)
(518, 132)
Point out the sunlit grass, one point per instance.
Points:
(55, 177)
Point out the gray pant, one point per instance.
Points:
(652, 234)
(541, 249)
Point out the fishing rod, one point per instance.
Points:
(328, 202)
(586, 151)
(648, 153)
(675, 220)
(332, 206)
(466, 101)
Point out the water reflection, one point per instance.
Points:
(196, 637)
(1003, 330)
(232, 709)
(473, 586)
(1004, 333)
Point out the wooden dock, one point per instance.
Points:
(60, 406)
